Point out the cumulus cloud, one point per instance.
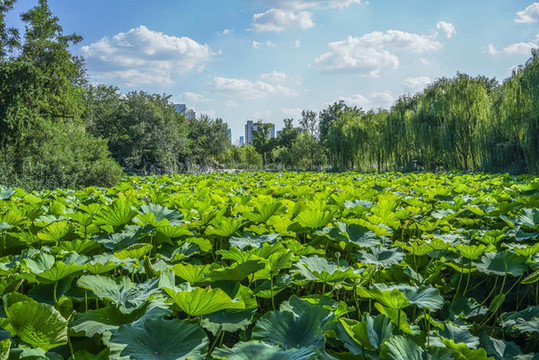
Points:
(529, 15)
(520, 48)
(249, 89)
(193, 97)
(262, 115)
(375, 100)
(448, 29)
(416, 84)
(143, 56)
(274, 76)
(279, 20)
(231, 103)
(371, 52)
(306, 4)
(225, 32)
(294, 113)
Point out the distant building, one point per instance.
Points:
(251, 127)
(190, 114)
(230, 135)
(242, 141)
(180, 108)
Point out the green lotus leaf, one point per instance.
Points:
(499, 349)
(400, 348)
(314, 218)
(530, 218)
(159, 339)
(27, 353)
(473, 252)
(174, 232)
(12, 218)
(463, 352)
(392, 297)
(353, 233)
(5, 345)
(501, 263)
(251, 240)
(532, 278)
(319, 269)
(528, 314)
(59, 271)
(135, 251)
(263, 211)
(40, 263)
(381, 256)
(529, 326)
(92, 322)
(161, 213)
(459, 334)
(192, 273)
(37, 324)
(225, 320)
(127, 296)
(55, 231)
(261, 351)
(6, 193)
(226, 227)
(397, 317)
(293, 331)
(199, 301)
(120, 213)
(237, 272)
(122, 240)
(465, 307)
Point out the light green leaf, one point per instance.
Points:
(159, 339)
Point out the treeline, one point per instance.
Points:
(464, 123)
(57, 130)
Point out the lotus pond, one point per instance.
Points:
(273, 266)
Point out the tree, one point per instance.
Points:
(262, 142)
(43, 142)
(208, 138)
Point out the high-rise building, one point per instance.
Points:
(180, 108)
(190, 114)
(251, 127)
(230, 135)
(242, 141)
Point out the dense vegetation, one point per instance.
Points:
(463, 123)
(57, 130)
(273, 266)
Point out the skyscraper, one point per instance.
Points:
(251, 126)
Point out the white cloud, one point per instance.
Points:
(520, 48)
(231, 103)
(249, 89)
(371, 52)
(255, 44)
(227, 31)
(143, 56)
(423, 61)
(416, 84)
(193, 97)
(210, 113)
(296, 43)
(279, 20)
(382, 99)
(262, 115)
(274, 76)
(529, 15)
(447, 28)
(292, 113)
(374, 100)
(306, 4)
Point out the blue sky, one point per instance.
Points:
(269, 59)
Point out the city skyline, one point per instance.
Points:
(268, 60)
